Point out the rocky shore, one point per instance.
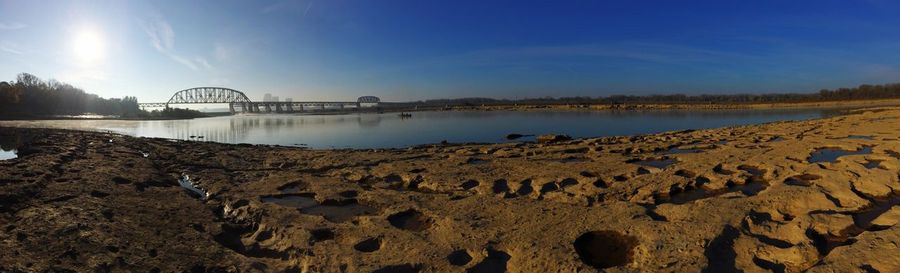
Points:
(813, 196)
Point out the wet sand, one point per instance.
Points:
(815, 196)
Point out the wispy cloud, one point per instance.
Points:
(12, 26)
(162, 38)
(10, 48)
(289, 5)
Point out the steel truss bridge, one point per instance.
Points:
(238, 100)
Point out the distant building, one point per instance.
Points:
(267, 97)
(274, 98)
(288, 99)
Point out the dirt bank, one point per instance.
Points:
(772, 197)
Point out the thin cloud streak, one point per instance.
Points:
(10, 48)
(288, 5)
(12, 26)
(162, 38)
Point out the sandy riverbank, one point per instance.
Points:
(744, 198)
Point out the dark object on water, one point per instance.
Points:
(405, 115)
(516, 136)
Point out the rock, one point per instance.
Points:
(514, 136)
(887, 219)
(550, 138)
(831, 224)
(872, 188)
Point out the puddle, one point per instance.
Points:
(656, 163)
(8, 154)
(860, 137)
(776, 139)
(803, 180)
(186, 183)
(11, 141)
(871, 164)
(477, 161)
(334, 210)
(832, 154)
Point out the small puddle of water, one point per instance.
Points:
(832, 154)
(8, 154)
(477, 161)
(339, 210)
(860, 137)
(186, 183)
(871, 164)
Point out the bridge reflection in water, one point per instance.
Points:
(238, 101)
(258, 129)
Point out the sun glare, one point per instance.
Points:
(88, 46)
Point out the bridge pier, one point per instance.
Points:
(268, 108)
(278, 108)
(231, 108)
(290, 107)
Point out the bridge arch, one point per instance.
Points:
(368, 99)
(208, 95)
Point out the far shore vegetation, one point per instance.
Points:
(31, 97)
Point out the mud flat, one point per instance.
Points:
(814, 196)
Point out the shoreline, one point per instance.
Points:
(748, 197)
(551, 108)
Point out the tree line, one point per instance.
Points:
(29, 96)
(862, 92)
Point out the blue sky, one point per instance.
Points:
(410, 50)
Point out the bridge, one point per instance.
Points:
(238, 100)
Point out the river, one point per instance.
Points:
(389, 130)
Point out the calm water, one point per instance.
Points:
(390, 130)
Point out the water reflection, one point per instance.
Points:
(390, 130)
(11, 141)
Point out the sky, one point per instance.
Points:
(403, 50)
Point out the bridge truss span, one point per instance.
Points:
(237, 99)
(208, 95)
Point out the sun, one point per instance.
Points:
(88, 46)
